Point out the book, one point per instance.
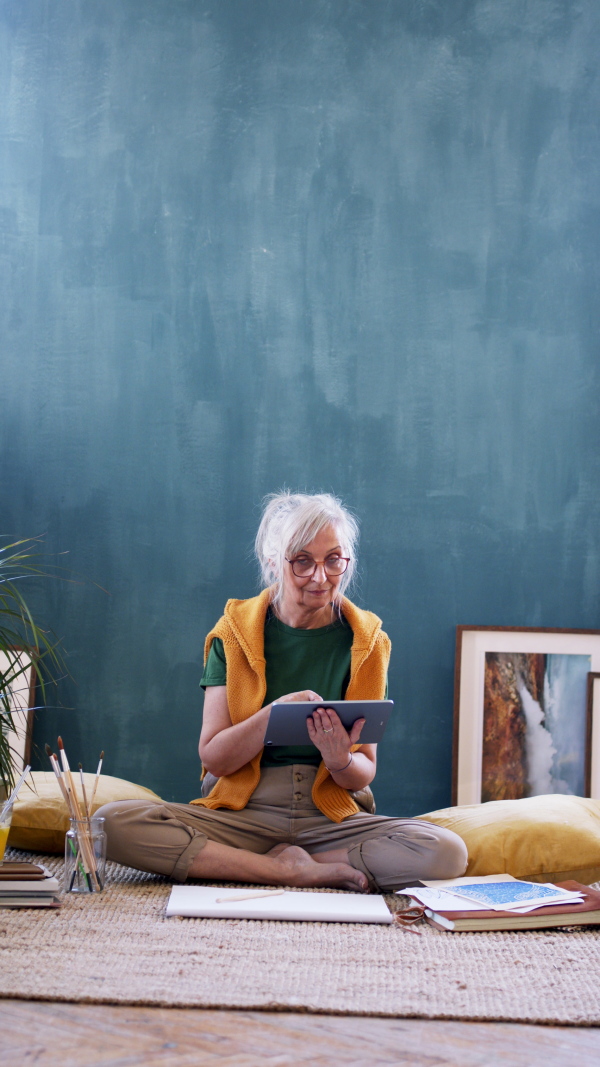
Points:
(213, 902)
(30, 902)
(29, 889)
(23, 871)
(585, 913)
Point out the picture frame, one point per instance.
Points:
(592, 766)
(521, 711)
(21, 702)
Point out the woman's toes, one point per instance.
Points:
(360, 880)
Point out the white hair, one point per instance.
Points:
(290, 521)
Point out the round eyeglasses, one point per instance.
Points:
(303, 567)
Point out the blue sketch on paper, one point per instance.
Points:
(495, 894)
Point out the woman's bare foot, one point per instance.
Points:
(285, 864)
(298, 868)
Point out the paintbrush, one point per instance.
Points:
(87, 854)
(88, 815)
(97, 780)
(55, 767)
(86, 808)
(69, 779)
(75, 813)
(77, 853)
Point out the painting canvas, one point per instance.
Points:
(534, 724)
(21, 699)
(522, 718)
(593, 736)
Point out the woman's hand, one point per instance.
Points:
(351, 770)
(329, 735)
(304, 696)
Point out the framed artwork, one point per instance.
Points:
(21, 699)
(592, 769)
(521, 712)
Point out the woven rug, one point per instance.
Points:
(119, 948)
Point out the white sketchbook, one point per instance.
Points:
(200, 901)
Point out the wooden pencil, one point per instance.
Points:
(250, 896)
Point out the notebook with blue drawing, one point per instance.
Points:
(463, 904)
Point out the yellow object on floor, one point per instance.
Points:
(545, 839)
(40, 818)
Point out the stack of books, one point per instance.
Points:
(501, 902)
(28, 885)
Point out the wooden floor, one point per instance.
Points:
(73, 1035)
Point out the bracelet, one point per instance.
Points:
(338, 770)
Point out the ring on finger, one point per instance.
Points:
(327, 731)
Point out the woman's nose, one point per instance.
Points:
(320, 575)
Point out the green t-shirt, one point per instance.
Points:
(296, 659)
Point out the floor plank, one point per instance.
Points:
(70, 1035)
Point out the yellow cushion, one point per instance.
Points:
(544, 839)
(40, 819)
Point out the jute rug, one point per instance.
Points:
(119, 948)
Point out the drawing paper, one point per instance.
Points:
(440, 900)
(440, 883)
(199, 901)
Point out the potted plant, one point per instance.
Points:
(22, 643)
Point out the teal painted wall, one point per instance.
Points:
(334, 244)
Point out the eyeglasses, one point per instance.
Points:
(303, 567)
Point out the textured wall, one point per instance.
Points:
(329, 243)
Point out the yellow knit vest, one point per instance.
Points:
(241, 630)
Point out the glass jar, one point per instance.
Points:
(85, 856)
(5, 817)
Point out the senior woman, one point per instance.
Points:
(288, 815)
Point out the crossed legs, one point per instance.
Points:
(182, 841)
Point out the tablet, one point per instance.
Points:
(287, 722)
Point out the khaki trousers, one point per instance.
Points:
(164, 838)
